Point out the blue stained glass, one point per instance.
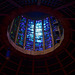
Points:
(38, 36)
(47, 33)
(30, 35)
(21, 32)
(14, 28)
(54, 25)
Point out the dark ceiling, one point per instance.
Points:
(62, 63)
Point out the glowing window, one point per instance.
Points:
(14, 28)
(21, 32)
(47, 33)
(55, 29)
(30, 35)
(38, 35)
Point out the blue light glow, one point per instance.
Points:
(14, 28)
(47, 33)
(36, 32)
(54, 29)
(30, 35)
(21, 32)
(38, 36)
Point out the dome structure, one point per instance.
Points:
(35, 35)
(61, 61)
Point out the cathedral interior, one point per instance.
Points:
(31, 58)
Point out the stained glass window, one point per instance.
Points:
(55, 24)
(38, 35)
(14, 28)
(47, 33)
(35, 34)
(30, 35)
(21, 32)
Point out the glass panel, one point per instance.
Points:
(21, 32)
(47, 33)
(30, 35)
(14, 28)
(38, 36)
(55, 24)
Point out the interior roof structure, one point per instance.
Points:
(59, 62)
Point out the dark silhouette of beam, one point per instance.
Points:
(2, 47)
(71, 11)
(33, 66)
(61, 65)
(66, 13)
(4, 7)
(20, 63)
(47, 67)
(71, 72)
(14, 3)
(66, 5)
(3, 66)
(69, 54)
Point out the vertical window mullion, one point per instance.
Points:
(43, 36)
(59, 32)
(11, 26)
(34, 38)
(25, 35)
(17, 30)
(51, 32)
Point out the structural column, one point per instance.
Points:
(34, 38)
(59, 31)
(43, 36)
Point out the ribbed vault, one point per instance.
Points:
(61, 61)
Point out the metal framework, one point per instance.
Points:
(25, 35)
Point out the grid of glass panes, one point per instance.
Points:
(38, 36)
(21, 32)
(30, 35)
(14, 28)
(38, 33)
(54, 25)
(47, 33)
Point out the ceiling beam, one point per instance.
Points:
(19, 66)
(66, 5)
(14, 3)
(3, 65)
